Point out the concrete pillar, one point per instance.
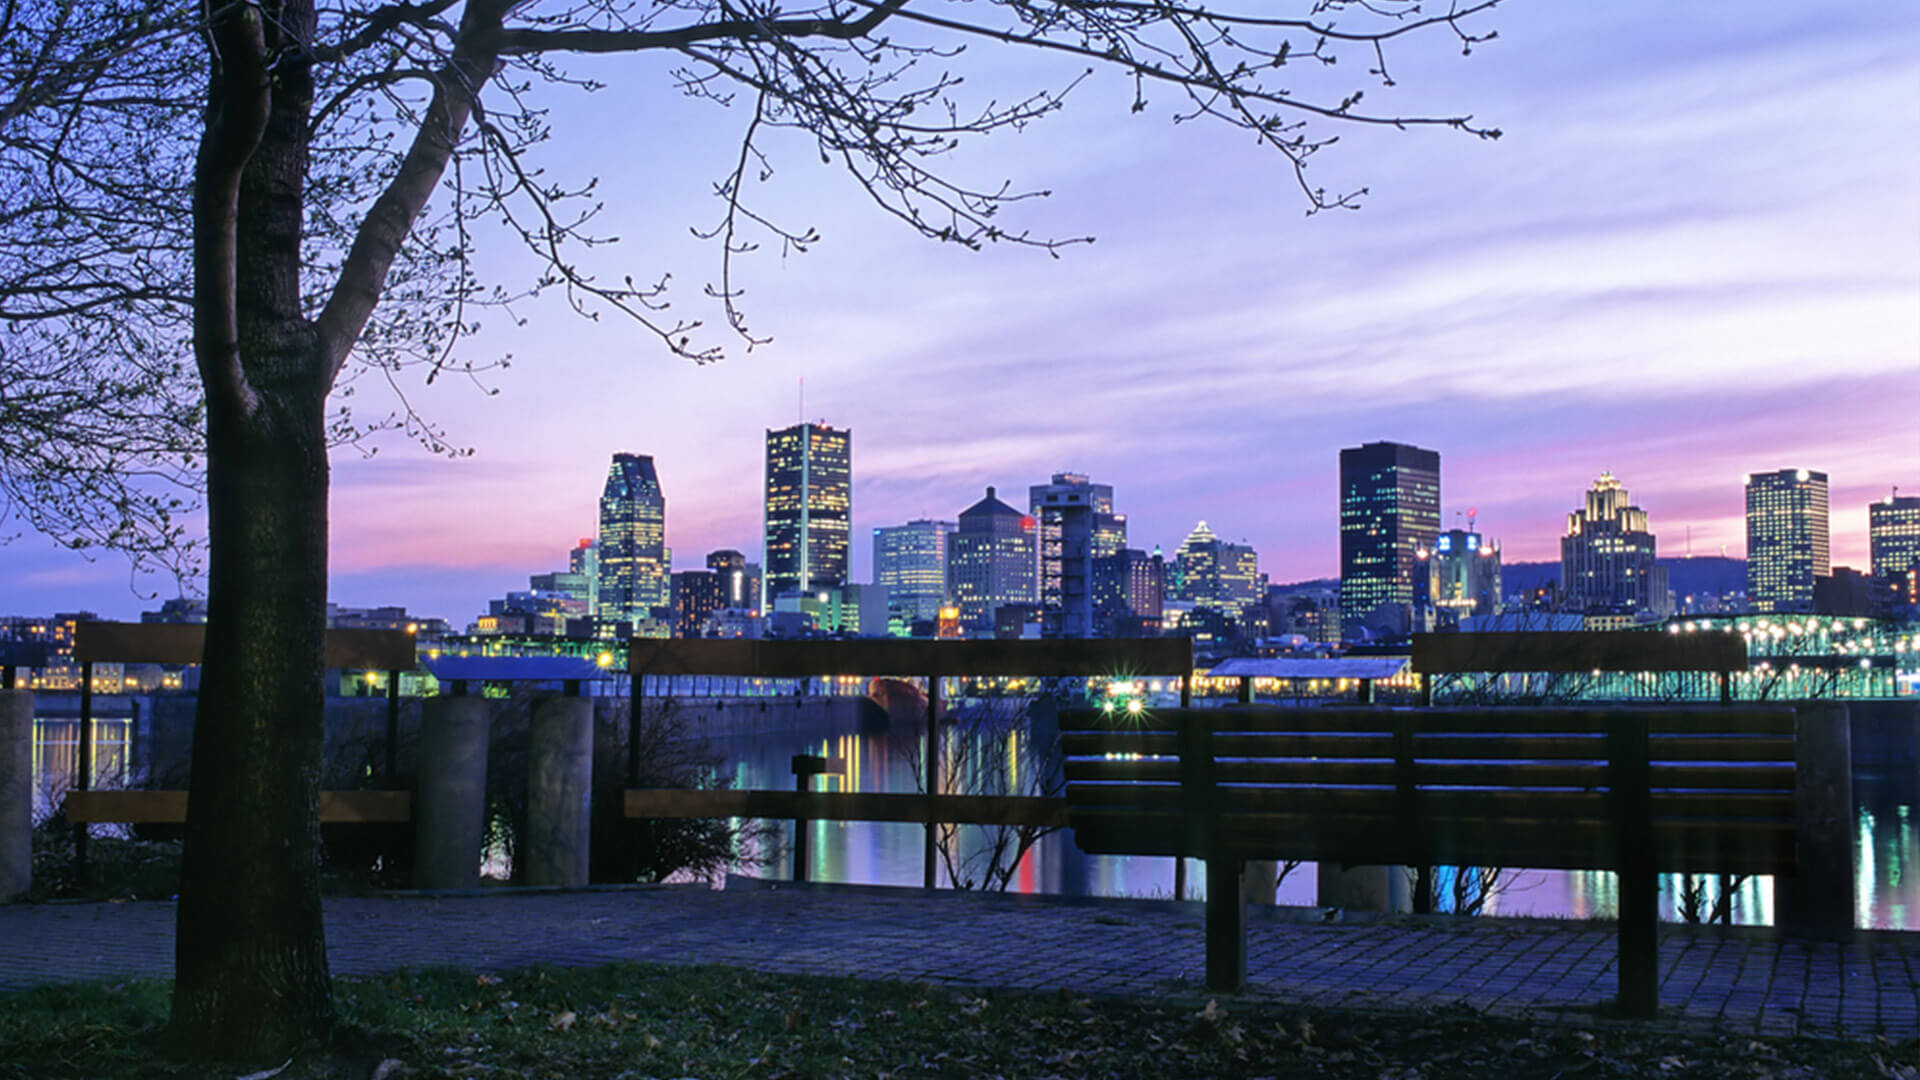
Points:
(559, 792)
(450, 809)
(1363, 888)
(1818, 900)
(16, 792)
(1263, 881)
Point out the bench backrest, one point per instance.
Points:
(1709, 789)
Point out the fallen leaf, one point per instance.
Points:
(386, 1069)
(484, 979)
(266, 1074)
(562, 1021)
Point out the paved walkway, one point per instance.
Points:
(1740, 978)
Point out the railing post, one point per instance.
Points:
(83, 774)
(1406, 808)
(393, 729)
(1180, 859)
(929, 855)
(1630, 786)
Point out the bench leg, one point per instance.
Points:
(1226, 924)
(1639, 943)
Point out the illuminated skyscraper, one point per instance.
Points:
(632, 553)
(991, 561)
(1211, 572)
(1607, 561)
(736, 589)
(809, 509)
(1787, 539)
(1389, 510)
(1463, 575)
(1893, 535)
(1128, 592)
(1077, 525)
(911, 562)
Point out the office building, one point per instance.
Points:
(1213, 573)
(632, 556)
(911, 562)
(1463, 578)
(992, 561)
(1389, 510)
(1787, 539)
(584, 560)
(1129, 590)
(737, 586)
(698, 595)
(808, 509)
(1077, 525)
(1893, 538)
(1607, 560)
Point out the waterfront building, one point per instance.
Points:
(808, 509)
(1787, 539)
(632, 556)
(1463, 577)
(1076, 526)
(1389, 510)
(1607, 560)
(1893, 537)
(992, 561)
(911, 561)
(737, 585)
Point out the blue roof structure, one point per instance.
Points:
(514, 669)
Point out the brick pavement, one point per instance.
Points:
(1743, 978)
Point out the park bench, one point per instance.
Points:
(180, 645)
(1635, 790)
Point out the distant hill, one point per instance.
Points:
(1711, 575)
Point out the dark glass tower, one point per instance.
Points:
(632, 553)
(809, 508)
(1389, 511)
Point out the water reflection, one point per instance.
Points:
(56, 757)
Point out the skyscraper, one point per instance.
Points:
(1463, 574)
(809, 509)
(991, 561)
(1893, 535)
(632, 552)
(1389, 510)
(734, 581)
(1787, 539)
(1607, 560)
(1077, 525)
(1129, 591)
(1214, 573)
(911, 561)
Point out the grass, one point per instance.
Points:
(629, 1022)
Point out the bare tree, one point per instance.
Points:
(988, 751)
(340, 156)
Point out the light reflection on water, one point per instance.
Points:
(890, 854)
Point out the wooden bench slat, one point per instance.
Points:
(170, 807)
(1120, 769)
(1094, 743)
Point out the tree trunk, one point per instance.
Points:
(250, 958)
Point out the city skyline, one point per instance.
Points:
(1642, 277)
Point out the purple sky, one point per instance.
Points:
(1695, 254)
